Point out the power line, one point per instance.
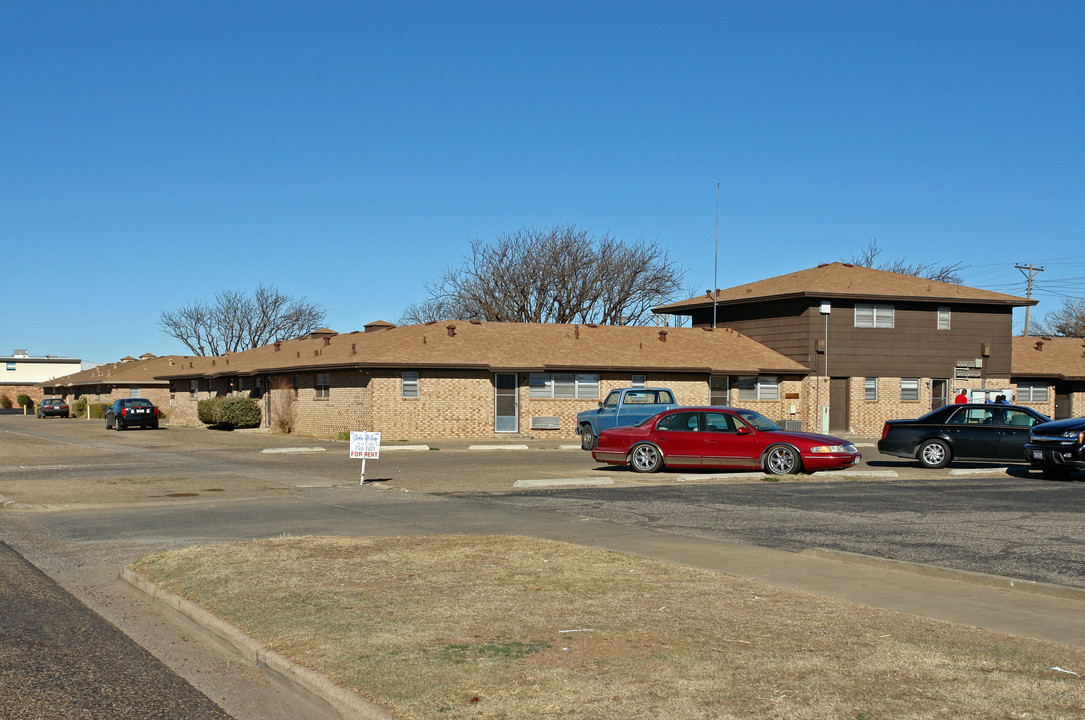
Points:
(1028, 295)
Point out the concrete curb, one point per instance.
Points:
(279, 668)
(1001, 582)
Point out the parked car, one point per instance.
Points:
(53, 407)
(969, 431)
(622, 407)
(721, 437)
(129, 412)
(1057, 448)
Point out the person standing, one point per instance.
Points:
(961, 398)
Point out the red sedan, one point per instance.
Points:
(721, 437)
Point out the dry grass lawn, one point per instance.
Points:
(512, 627)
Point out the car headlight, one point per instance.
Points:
(1077, 435)
(825, 449)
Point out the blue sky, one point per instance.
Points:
(153, 153)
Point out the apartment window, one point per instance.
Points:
(1031, 391)
(943, 318)
(718, 387)
(638, 381)
(758, 387)
(193, 389)
(873, 316)
(133, 391)
(584, 386)
(11, 365)
(870, 388)
(322, 382)
(409, 388)
(909, 389)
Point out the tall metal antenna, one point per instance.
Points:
(716, 258)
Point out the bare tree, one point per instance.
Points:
(239, 321)
(1067, 321)
(561, 274)
(868, 257)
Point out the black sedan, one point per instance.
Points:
(53, 407)
(129, 412)
(968, 431)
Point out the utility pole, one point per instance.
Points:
(1028, 293)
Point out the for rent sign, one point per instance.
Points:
(365, 445)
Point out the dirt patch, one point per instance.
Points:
(510, 627)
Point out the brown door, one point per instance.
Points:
(838, 404)
(1062, 400)
(939, 392)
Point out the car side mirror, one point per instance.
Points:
(742, 430)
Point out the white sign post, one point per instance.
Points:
(365, 445)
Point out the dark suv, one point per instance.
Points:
(1057, 448)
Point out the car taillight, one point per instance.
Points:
(124, 411)
(154, 410)
(885, 430)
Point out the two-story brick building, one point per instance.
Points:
(878, 344)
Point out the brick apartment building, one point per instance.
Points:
(878, 345)
(836, 345)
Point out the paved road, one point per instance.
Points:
(59, 660)
(1013, 526)
(88, 502)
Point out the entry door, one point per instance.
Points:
(939, 392)
(1062, 400)
(506, 403)
(838, 404)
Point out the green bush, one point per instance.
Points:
(24, 401)
(229, 412)
(97, 410)
(80, 407)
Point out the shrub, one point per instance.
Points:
(80, 406)
(24, 401)
(97, 410)
(5, 402)
(229, 412)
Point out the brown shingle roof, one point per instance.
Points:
(1061, 357)
(508, 346)
(128, 371)
(845, 280)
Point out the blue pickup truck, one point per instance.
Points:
(626, 406)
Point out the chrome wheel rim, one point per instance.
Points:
(933, 454)
(781, 461)
(645, 457)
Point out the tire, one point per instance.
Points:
(782, 460)
(934, 454)
(154, 425)
(645, 458)
(107, 425)
(1056, 472)
(587, 438)
(117, 424)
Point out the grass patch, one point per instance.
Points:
(511, 627)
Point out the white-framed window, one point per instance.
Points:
(873, 316)
(719, 387)
(870, 388)
(758, 387)
(1032, 391)
(909, 389)
(322, 382)
(11, 364)
(193, 389)
(639, 381)
(543, 386)
(133, 391)
(943, 318)
(409, 385)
